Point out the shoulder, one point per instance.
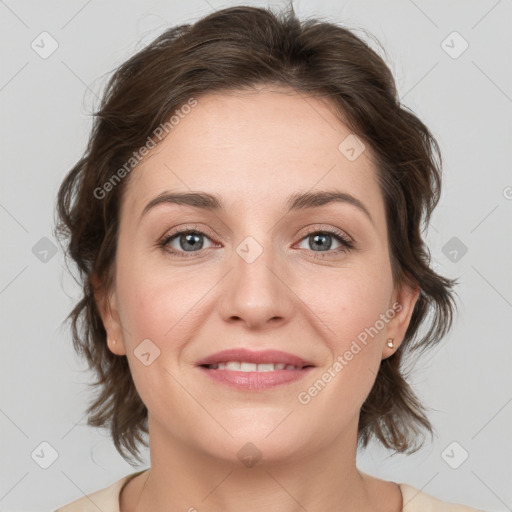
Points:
(415, 500)
(106, 499)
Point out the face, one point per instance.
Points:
(313, 280)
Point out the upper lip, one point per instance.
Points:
(263, 356)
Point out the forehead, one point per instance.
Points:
(256, 148)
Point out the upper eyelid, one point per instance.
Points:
(189, 229)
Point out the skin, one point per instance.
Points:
(254, 149)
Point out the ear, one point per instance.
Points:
(106, 303)
(402, 303)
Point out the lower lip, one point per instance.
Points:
(255, 381)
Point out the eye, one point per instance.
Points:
(187, 242)
(184, 241)
(322, 241)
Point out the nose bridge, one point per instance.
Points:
(253, 292)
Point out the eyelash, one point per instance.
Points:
(346, 243)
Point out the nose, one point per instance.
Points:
(255, 292)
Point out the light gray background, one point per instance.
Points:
(466, 101)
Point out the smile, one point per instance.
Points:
(244, 366)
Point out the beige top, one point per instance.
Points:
(107, 500)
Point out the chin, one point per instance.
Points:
(253, 445)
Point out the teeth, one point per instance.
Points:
(243, 366)
(266, 367)
(248, 367)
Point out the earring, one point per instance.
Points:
(390, 343)
(113, 342)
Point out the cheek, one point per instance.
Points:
(145, 304)
(350, 308)
(349, 303)
(160, 303)
(142, 306)
(154, 308)
(157, 314)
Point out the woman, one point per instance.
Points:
(247, 222)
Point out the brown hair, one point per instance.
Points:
(232, 49)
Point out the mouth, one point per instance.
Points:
(244, 366)
(254, 371)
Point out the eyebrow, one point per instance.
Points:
(295, 202)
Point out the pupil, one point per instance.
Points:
(323, 246)
(190, 240)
